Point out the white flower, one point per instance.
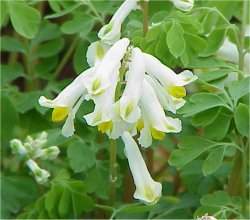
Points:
(96, 52)
(173, 83)
(147, 190)
(168, 102)
(18, 147)
(154, 122)
(100, 80)
(40, 175)
(184, 5)
(104, 104)
(111, 32)
(128, 103)
(67, 103)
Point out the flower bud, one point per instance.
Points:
(50, 153)
(40, 175)
(17, 147)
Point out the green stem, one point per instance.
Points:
(66, 56)
(144, 6)
(242, 35)
(93, 9)
(104, 207)
(113, 171)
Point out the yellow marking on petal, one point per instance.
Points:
(59, 113)
(105, 126)
(96, 84)
(170, 127)
(150, 195)
(129, 109)
(140, 124)
(158, 135)
(99, 51)
(108, 28)
(177, 91)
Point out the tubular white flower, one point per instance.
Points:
(50, 153)
(100, 80)
(40, 175)
(155, 122)
(111, 32)
(168, 102)
(184, 5)
(171, 81)
(96, 52)
(129, 109)
(68, 102)
(104, 104)
(147, 190)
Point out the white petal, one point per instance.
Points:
(145, 139)
(133, 89)
(101, 79)
(165, 75)
(69, 95)
(96, 52)
(184, 5)
(110, 33)
(147, 190)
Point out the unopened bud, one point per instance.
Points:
(40, 175)
(50, 153)
(17, 147)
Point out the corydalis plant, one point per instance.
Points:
(33, 149)
(150, 88)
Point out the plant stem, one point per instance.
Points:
(66, 57)
(93, 9)
(113, 171)
(242, 35)
(144, 6)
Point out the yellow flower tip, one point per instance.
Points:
(105, 126)
(150, 195)
(139, 125)
(59, 114)
(170, 127)
(177, 91)
(158, 135)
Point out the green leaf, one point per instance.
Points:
(213, 161)
(215, 132)
(81, 156)
(79, 63)
(11, 44)
(80, 23)
(24, 18)
(205, 118)
(9, 120)
(50, 48)
(64, 203)
(200, 102)
(175, 40)
(214, 75)
(18, 192)
(190, 147)
(10, 72)
(218, 198)
(237, 89)
(242, 118)
(214, 42)
(4, 13)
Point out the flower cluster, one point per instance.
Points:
(32, 149)
(131, 91)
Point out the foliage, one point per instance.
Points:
(203, 169)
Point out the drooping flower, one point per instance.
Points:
(67, 103)
(100, 79)
(155, 123)
(111, 32)
(147, 190)
(18, 147)
(128, 103)
(184, 5)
